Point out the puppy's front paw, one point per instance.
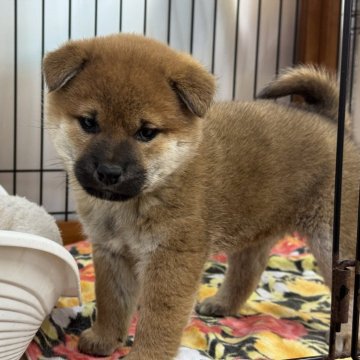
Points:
(343, 342)
(213, 306)
(92, 343)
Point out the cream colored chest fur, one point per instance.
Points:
(123, 226)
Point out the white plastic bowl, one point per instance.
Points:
(34, 273)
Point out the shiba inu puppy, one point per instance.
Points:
(162, 177)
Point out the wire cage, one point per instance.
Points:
(244, 43)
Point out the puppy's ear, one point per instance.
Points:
(62, 65)
(194, 86)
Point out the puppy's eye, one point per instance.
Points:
(146, 134)
(89, 125)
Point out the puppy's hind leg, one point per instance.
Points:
(320, 244)
(242, 277)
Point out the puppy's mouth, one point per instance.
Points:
(108, 194)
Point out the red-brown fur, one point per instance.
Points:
(230, 176)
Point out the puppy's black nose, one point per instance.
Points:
(109, 174)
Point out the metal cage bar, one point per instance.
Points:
(355, 309)
(257, 48)
(344, 71)
(355, 24)
(236, 48)
(15, 97)
(214, 37)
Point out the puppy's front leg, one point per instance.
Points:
(169, 284)
(116, 288)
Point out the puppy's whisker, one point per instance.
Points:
(185, 142)
(54, 161)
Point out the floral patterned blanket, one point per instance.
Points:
(286, 317)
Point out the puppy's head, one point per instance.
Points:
(124, 112)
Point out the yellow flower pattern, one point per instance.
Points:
(286, 317)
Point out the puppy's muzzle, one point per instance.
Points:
(108, 181)
(110, 170)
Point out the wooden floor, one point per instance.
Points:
(71, 231)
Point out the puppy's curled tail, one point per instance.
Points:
(317, 86)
